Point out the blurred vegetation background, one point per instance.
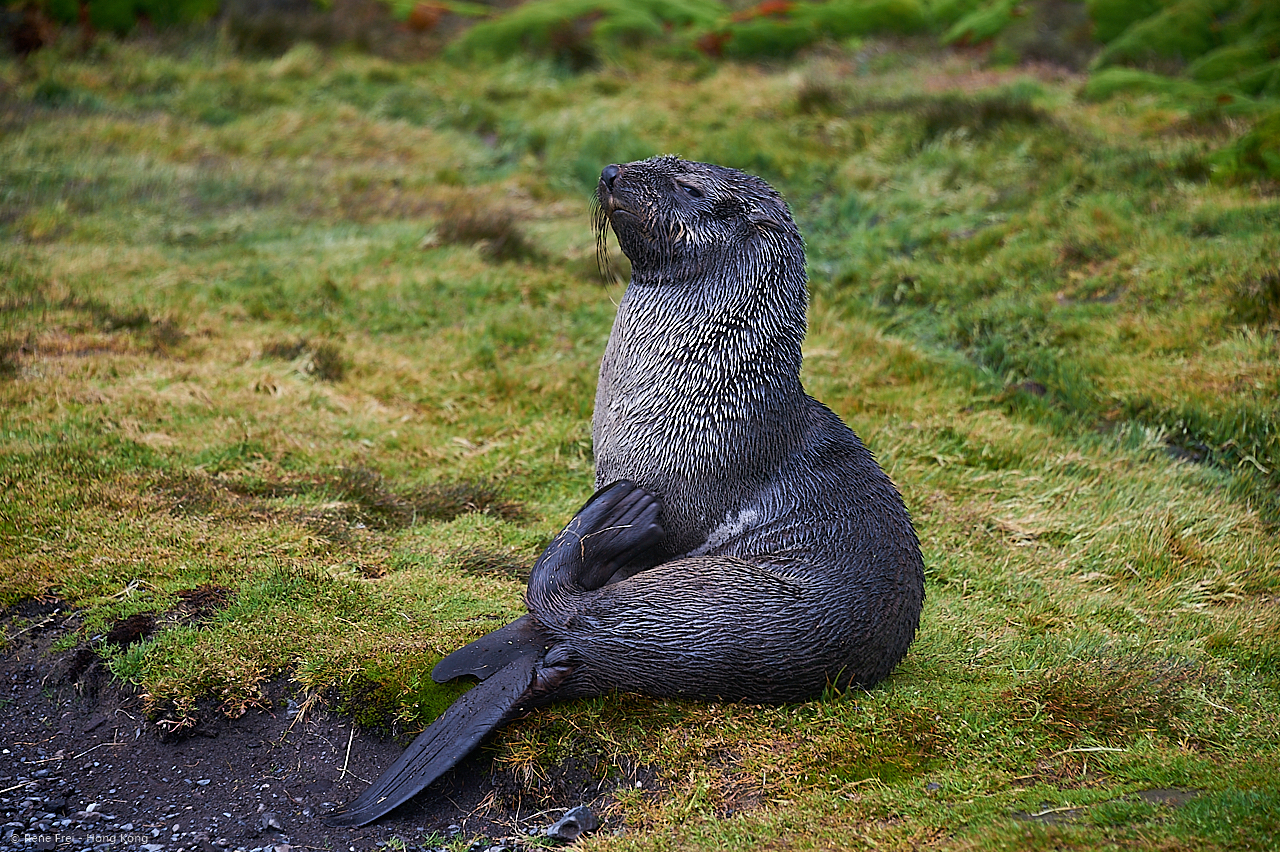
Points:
(1224, 53)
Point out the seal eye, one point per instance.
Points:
(690, 190)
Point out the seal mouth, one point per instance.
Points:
(614, 211)
(610, 206)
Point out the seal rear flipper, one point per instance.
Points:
(448, 739)
(492, 652)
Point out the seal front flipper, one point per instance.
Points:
(615, 532)
(451, 737)
(610, 537)
(492, 652)
(624, 540)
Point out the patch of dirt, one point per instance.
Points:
(81, 767)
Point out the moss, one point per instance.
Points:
(1228, 61)
(1110, 82)
(1254, 155)
(396, 689)
(784, 29)
(764, 38)
(944, 13)
(982, 24)
(840, 19)
(578, 32)
(1262, 81)
(1113, 17)
(1169, 39)
(121, 16)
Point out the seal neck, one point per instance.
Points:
(700, 391)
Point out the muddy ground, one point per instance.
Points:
(81, 768)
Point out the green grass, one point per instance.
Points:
(322, 332)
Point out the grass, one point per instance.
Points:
(298, 358)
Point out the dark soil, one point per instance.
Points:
(81, 768)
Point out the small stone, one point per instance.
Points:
(577, 822)
(152, 847)
(269, 821)
(203, 782)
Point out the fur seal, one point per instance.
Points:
(743, 543)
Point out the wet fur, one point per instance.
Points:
(779, 525)
(744, 544)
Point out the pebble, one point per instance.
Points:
(577, 822)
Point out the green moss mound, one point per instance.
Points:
(982, 24)
(121, 16)
(1169, 39)
(581, 31)
(787, 31)
(1256, 154)
(1229, 61)
(764, 38)
(844, 18)
(1109, 82)
(1113, 17)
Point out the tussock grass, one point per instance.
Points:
(264, 392)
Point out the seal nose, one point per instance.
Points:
(609, 175)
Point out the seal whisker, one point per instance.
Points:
(600, 225)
